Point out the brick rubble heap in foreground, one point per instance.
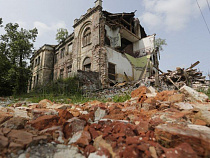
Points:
(151, 124)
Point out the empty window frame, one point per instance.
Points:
(111, 71)
(69, 70)
(86, 37)
(87, 64)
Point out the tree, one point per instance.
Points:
(61, 35)
(159, 43)
(1, 22)
(16, 46)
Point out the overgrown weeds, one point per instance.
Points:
(66, 91)
(207, 92)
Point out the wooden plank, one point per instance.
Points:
(195, 64)
(127, 78)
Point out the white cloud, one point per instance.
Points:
(44, 28)
(152, 19)
(171, 15)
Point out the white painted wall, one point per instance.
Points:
(121, 62)
(145, 45)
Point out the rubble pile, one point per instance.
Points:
(151, 124)
(181, 76)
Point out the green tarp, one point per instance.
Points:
(138, 62)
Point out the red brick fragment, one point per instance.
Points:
(45, 121)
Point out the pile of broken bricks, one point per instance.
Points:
(151, 124)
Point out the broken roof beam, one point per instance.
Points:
(132, 14)
(127, 34)
(193, 65)
(127, 23)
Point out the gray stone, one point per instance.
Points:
(72, 152)
(99, 114)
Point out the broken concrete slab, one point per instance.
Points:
(193, 94)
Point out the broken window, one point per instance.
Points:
(86, 37)
(70, 48)
(61, 73)
(62, 52)
(111, 71)
(69, 70)
(87, 64)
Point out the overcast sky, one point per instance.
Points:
(178, 21)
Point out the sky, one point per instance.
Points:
(178, 21)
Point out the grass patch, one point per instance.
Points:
(65, 91)
(121, 98)
(206, 92)
(69, 99)
(63, 99)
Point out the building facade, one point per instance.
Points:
(113, 45)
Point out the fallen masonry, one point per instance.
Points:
(151, 124)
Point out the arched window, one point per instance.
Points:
(86, 37)
(87, 64)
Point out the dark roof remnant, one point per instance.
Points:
(125, 20)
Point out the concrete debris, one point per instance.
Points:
(150, 124)
(193, 94)
(99, 114)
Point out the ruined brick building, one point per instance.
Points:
(114, 46)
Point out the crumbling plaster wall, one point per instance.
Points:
(114, 36)
(122, 65)
(144, 46)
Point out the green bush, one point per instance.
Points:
(67, 86)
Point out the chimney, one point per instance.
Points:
(98, 3)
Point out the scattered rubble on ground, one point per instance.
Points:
(151, 124)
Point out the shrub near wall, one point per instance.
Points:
(68, 86)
